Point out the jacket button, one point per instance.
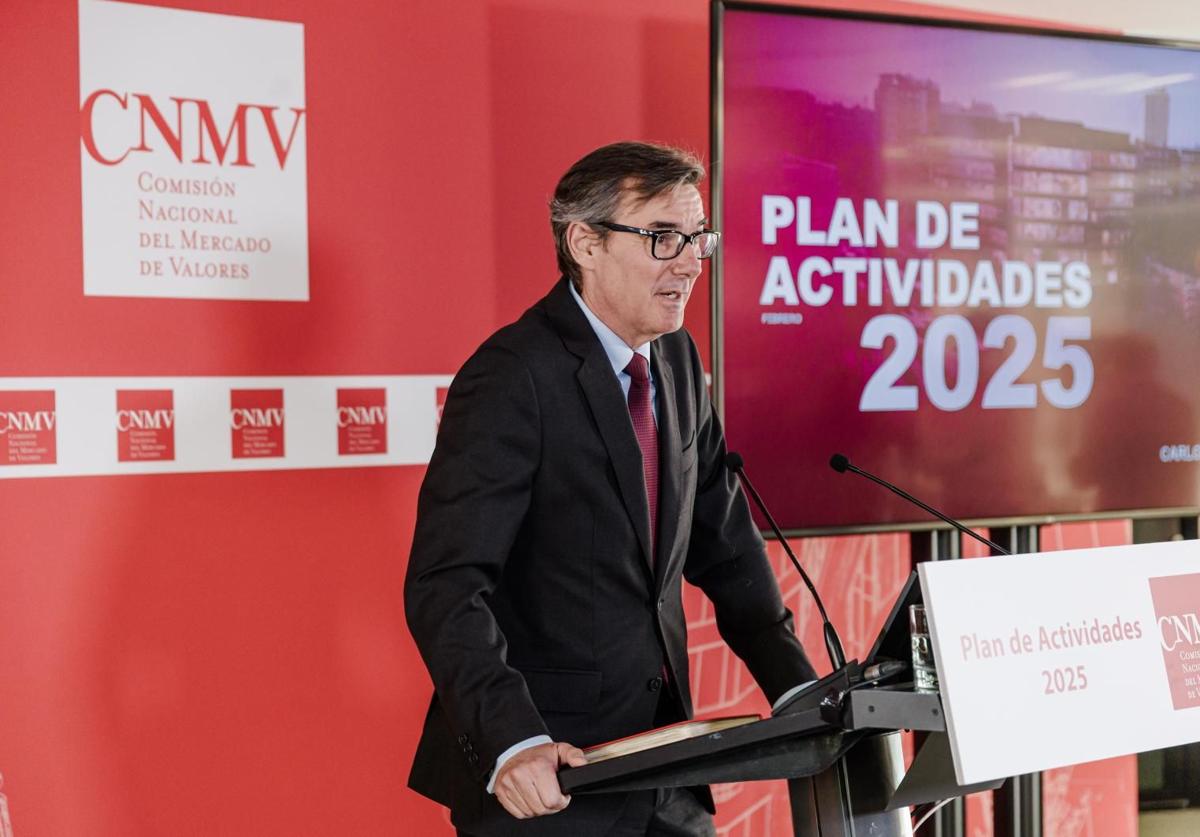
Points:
(654, 684)
(473, 758)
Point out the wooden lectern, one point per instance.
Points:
(837, 744)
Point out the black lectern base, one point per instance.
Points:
(851, 799)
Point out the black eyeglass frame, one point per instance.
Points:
(654, 235)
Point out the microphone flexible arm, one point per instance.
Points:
(842, 464)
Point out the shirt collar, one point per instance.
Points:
(619, 353)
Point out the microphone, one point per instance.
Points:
(833, 644)
(842, 464)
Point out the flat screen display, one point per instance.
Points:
(968, 259)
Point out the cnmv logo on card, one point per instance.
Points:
(1177, 611)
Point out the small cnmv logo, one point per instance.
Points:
(145, 419)
(26, 422)
(191, 137)
(1179, 630)
(240, 417)
(348, 416)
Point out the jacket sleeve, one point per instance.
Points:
(727, 559)
(470, 508)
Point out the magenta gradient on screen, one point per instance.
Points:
(1023, 126)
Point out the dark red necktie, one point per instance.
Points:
(641, 410)
(642, 413)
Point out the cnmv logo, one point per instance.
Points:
(241, 417)
(26, 422)
(1179, 630)
(348, 416)
(145, 420)
(186, 128)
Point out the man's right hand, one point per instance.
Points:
(527, 784)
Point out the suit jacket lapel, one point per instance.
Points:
(607, 402)
(668, 465)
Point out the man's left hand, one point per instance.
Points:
(527, 784)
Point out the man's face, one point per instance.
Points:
(637, 296)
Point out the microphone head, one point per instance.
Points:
(734, 461)
(839, 463)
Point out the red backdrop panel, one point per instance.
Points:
(226, 653)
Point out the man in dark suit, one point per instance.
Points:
(578, 477)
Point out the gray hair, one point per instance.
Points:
(592, 189)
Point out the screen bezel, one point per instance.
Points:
(716, 183)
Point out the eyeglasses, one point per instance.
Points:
(667, 244)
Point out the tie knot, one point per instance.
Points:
(638, 369)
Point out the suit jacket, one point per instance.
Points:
(530, 590)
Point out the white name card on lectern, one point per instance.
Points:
(1058, 658)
